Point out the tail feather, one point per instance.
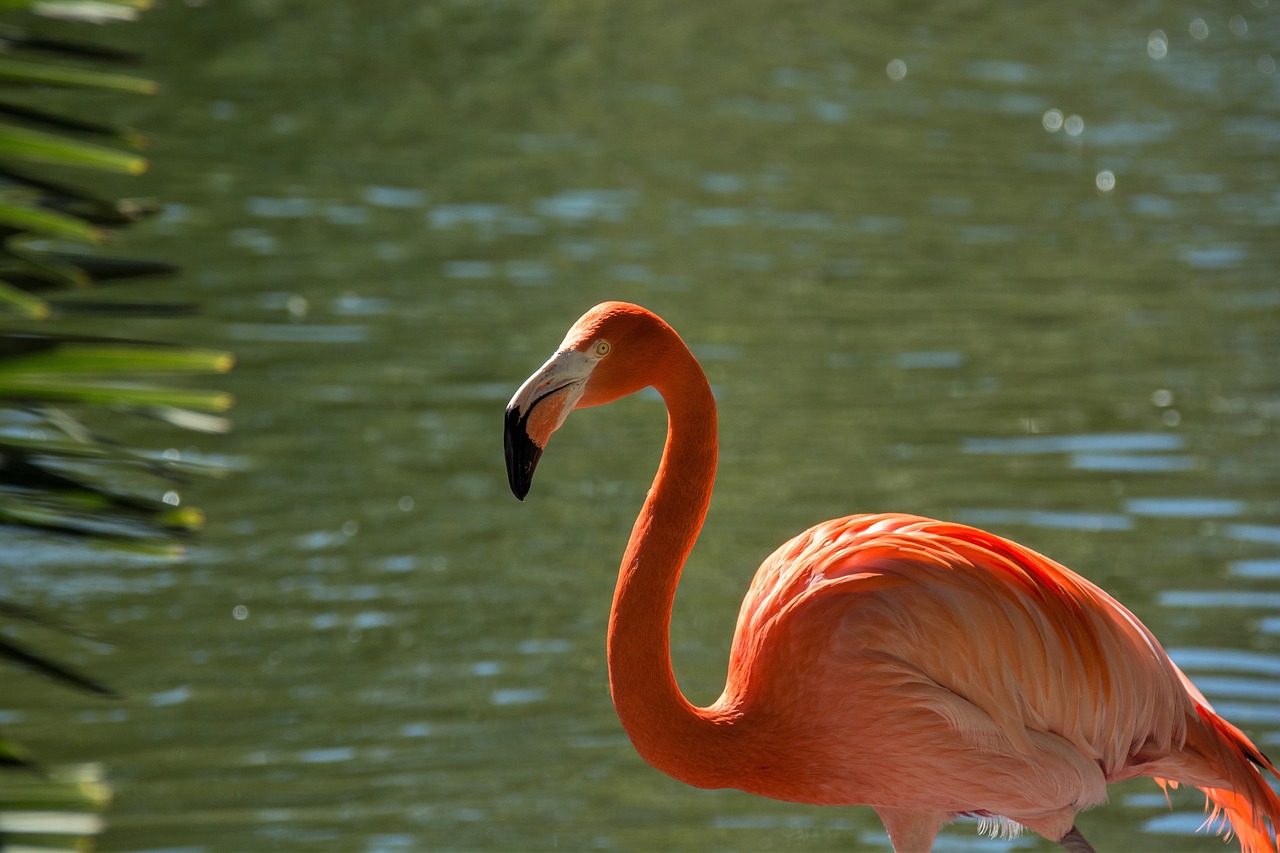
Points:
(1236, 815)
(1250, 805)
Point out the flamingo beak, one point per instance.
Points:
(522, 452)
(538, 409)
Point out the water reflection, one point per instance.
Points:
(1090, 521)
(1256, 568)
(1254, 532)
(1131, 463)
(1093, 444)
(1189, 507)
(888, 241)
(1219, 599)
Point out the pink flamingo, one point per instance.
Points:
(926, 669)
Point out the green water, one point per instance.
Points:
(910, 294)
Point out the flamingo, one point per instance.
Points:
(927, 669)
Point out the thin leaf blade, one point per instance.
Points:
(33, 146)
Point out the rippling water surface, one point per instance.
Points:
(1009, 264)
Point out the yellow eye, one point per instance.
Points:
(602, 348)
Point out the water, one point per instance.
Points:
(1012, 265)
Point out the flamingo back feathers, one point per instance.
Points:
(1033, 645)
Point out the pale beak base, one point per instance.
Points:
(538, 409)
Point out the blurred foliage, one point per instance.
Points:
(57, 474)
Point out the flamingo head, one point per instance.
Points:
(612, 351)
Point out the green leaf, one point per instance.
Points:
(31, 269)
(91, 268)
(31, 191)
(24, 303)
(64, 789)
(12, 754)
(89, 358)
(47, 388)
(122, 528)
(48, 222)
(36, 4)
(43, 74)
(34, 146)
(14, 653)
(53, 121)
(91, 11)
(187, 518)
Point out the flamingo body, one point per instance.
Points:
(944, 649)
(926, 669)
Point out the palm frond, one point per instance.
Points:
(50, 809)
(59, 476)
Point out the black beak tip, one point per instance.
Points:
(521, 452)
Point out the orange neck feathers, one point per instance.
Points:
(692, 744)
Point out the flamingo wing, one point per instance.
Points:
(1012, 654)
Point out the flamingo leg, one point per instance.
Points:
(1075, 842)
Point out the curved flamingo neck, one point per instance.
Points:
(690, 743)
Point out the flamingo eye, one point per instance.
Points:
(602, 349)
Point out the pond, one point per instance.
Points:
(1006, 264)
